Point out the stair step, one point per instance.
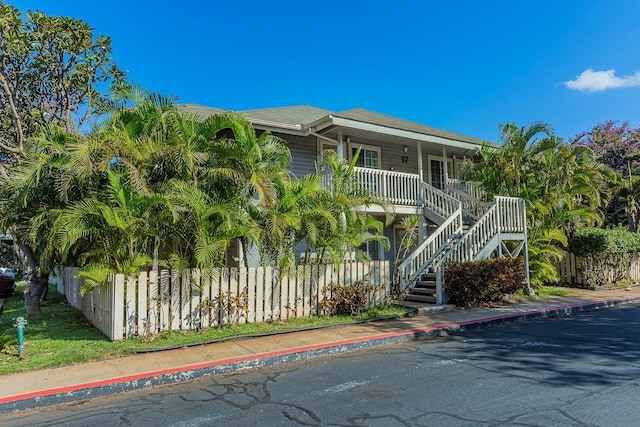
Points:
(421, 298)
(428, 276)
(422, 291)
(423, 285)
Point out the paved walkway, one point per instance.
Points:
(87, 380)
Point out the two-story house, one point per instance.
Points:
(416, 168)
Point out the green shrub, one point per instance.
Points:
(605, 256)
(346, 299)
(475, 283)
(598, 240)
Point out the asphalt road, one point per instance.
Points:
(582, 370)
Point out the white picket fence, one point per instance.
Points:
(150, 304)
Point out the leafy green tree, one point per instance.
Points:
(39, 187)
(53, 72)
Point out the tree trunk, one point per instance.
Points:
(36, 288)
(631, 219)
(38, 282)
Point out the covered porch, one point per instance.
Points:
(397, 157)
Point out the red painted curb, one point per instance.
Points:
(204, 365)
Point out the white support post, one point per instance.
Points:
(445, 164)
(523, 212)
(439, 277)
(420, 166)
(453, 165)
(341, 150)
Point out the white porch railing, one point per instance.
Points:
(401, 188)
(439, 202)
(465, 187)
(397, 188)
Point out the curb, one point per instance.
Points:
(202, 370)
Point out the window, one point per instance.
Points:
(369, 156)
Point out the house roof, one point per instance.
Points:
(302, 117)
(371, 117)
(201, 111)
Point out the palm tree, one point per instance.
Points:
(107, 234)
(208, 170)
(347, 199)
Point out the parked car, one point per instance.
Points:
(8, 271)
(7, 282)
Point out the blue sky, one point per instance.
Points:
(464, 66)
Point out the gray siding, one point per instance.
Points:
(392, 158)
(303, 154)
(252, 257)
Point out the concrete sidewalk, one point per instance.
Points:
(95, 379)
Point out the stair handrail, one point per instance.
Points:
(466, 187)
(450, 210)
(438, 201)
(418, 260)
(471, 206)
(505, 215)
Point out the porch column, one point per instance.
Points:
(446, 165)
(422, 230)
(341, 150)
(420, 167)
(453, 163)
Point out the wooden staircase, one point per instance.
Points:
(468, 229)
(425, 289)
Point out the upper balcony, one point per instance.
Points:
(396, 188)
(405, 191)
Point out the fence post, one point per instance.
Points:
(117, 308)
(143, 306)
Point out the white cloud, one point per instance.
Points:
(595, 81)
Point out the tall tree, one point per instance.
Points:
(53, 71)
(614, 144)
(617, 146)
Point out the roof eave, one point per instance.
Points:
(355, 124)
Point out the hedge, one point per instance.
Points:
(605, 255)
(598, 240)
(476, 283)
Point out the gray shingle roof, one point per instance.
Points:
(366, 116)
(295, 115)
(201, 111)
(304, 115)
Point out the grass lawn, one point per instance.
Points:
(63, 336)
(541, 293)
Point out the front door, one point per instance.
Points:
(437, 175)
